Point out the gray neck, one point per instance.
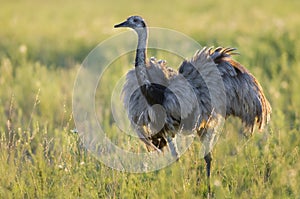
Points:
(140, 59)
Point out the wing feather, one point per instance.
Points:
(245, 96)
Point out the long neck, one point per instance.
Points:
(153, 93)
(140, 59)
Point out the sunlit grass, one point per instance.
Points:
(41, 47)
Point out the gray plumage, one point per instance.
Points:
(161, 101)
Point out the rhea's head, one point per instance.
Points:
(134, 22)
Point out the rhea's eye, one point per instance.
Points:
(135, 20)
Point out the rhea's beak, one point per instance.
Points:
(123, 24)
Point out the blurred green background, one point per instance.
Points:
(42, 44)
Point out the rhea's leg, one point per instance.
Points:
(173, 147)
(208, 160)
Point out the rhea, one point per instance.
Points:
(169, 101)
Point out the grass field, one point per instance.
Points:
(43, 43)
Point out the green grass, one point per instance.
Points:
(42, 44)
